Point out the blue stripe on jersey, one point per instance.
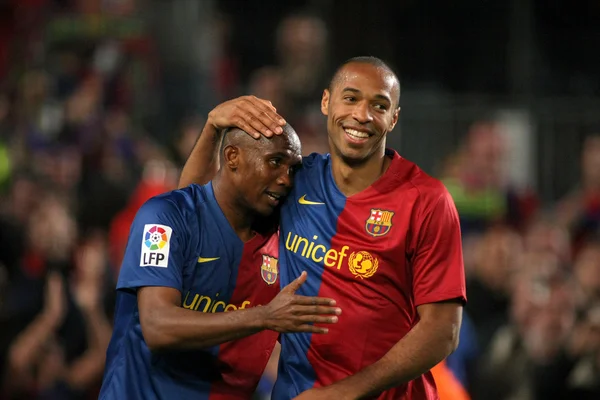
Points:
(199, 229)
(306, 231)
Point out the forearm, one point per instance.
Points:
(179, 328)
(203, 163)
(88, 368)
(419, 351)
(29, 343)
(98, 328)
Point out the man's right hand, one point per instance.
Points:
(255, 116)
(289, 312)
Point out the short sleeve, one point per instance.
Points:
(437, 261)
(155, 252)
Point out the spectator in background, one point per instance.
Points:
(158, 177)
(488, 283)
(542, 316)
(579, 211)
(302, 46)
(478, 183)
(50, 356)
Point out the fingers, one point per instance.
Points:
(261, 116)
(318, 319)
(309, 329)
(270, 111)
(316, 310)
(313, 301)
(296, 283)
(249, 129)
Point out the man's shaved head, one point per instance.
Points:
(374, 61)
(240, 139)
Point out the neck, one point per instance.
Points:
(238, 216)
(352, 178)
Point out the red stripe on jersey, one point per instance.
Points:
(242, 362)
(388, 271)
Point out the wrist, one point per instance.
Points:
(212, 124)
(260, 318)
(353, 388)
(50, 319)
(211, 133)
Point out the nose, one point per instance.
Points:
(362, 112)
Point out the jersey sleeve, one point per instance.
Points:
(438, 267)
(155, 252)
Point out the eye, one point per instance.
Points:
(276, 161)
(350, 99)
(381, 107)
(294, 168)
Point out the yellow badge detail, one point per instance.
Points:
(204, 260)
(362, 264)
(302, 200)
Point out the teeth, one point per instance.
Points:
(357, 134)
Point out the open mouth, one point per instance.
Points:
(357, 136)
(274, 197)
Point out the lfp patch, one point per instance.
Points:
(155, 245)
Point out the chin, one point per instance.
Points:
(265, 210)
(351, 156)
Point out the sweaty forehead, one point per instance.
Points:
(367, 77)
(280, 143)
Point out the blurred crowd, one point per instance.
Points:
(76, 164)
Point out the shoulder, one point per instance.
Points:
(430, 190)
(315, 160)
(178, 206)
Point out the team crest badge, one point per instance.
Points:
(269, 270)
(379, 222)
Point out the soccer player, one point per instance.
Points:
(198, 263)
(376, 233)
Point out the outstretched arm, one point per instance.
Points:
(165, 324)
(255, 116)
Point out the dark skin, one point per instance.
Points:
(166, 325)
(364, 98)
(252, 172)
(255, 175)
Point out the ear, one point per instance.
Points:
(325, 102)
(395, 118)
(231, 157)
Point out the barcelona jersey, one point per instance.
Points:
(379, 254)
(182, 240)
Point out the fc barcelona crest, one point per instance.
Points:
(269, 270)
(379, 222)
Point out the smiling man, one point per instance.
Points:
(374, 232)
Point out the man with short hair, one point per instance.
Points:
(199, 264)
(374, 232)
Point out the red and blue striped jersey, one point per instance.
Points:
(183, 240)
(379, 254)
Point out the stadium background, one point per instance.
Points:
(101, 101)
